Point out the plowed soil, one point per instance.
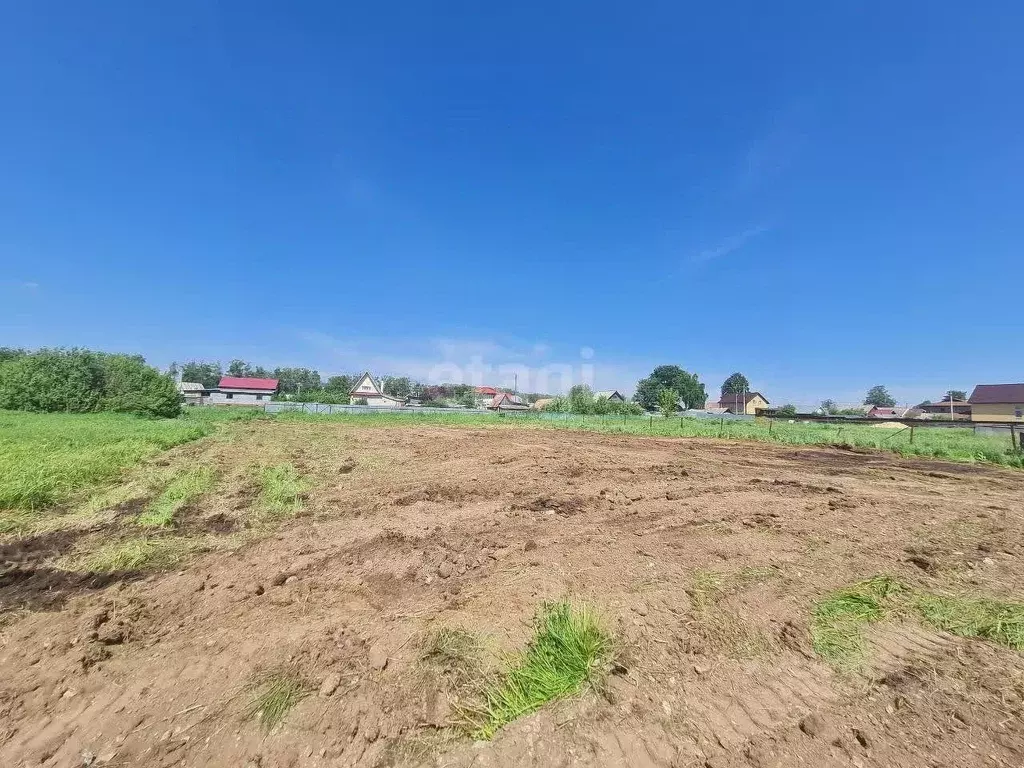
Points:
(411, 529)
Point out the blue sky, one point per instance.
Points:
(825, 196)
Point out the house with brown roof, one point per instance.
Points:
(506, 401)
(960, 409)
(368, 392)
(745, 402)
(998, 402)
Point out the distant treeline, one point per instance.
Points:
(81, 381)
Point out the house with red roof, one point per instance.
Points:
(242, 390)
(485, 395)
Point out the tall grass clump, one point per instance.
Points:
(185, 488)
(569, 648)
(46, 458)
(282, 489)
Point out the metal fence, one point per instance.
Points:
(281, 407)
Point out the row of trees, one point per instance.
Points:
(80, 381)
(580, 400)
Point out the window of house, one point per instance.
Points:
(1019, 411)
(230, 395)
(259, 397)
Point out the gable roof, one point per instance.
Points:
(486, 391)
(247, 382)
(606, 394)
(190, 386)
(739, 397)
(997, 394)
(366, 375)
(507, 400)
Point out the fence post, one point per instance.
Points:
(650, 427)
(911, 434)
(771, 423)
(721, 427)
(1013, 438)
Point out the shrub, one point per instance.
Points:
(79, 380)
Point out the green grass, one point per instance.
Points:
(185, 488)
(950, 443)
(282, 489)
(274, 695)
(838, 621)
(48, 458)
(569, 648)
(995, 620)
(154, 553)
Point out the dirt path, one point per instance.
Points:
(474, 529)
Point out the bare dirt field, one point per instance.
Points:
(704, 559)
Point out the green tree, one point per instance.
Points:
(79, 380)
(396, 386)
(787, 410)
(829, 406)
(11, 353)
(736, 384)
(687, 387)
(879, 395)
(242, 368)
(581, 399)
(668, 401)
(340, 383)
(131, 386)
(954, 394)
(292, 380)
(207, 374)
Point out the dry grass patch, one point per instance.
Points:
(715, 628)
(274, 694)
(147, 553)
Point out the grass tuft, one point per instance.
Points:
(569, 648)
(274, 695)
(995, 620)
(183, 489)
(455, 653)
(133, 555)
(837, 628)
(837, 623)
(282, 489)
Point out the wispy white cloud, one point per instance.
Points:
(729, 245)
(768, 155)
(21, 285)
